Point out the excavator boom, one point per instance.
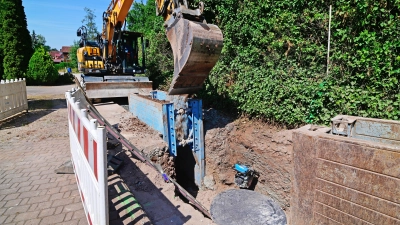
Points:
(114, 17)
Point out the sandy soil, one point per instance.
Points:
(265, 148)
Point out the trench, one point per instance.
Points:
(184, 168)
(184, 164)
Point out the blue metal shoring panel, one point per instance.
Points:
(170, 128)
(160, 95)
(198, 139)
(188, 124)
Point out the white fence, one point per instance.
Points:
(12, 97)
(89, 157)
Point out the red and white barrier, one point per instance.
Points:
(89, 157)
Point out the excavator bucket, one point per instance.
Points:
(196, 48)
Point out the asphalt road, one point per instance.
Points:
(49, 90)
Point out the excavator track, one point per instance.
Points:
(196, 48)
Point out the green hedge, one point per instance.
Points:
(273, 63)
(62, 65)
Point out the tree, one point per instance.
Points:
(159, 61)
(89, 22)
(73, 56)
(41, 68)
(16, 44)
(39, 40)
(34, 39)
(142, 18)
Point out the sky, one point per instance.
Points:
(58, 21)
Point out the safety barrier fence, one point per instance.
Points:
(88, 150)
(12, 97)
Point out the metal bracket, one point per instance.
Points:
(198, 139)
(342, 125)
(169, 127)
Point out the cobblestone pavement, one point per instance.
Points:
(32, 146)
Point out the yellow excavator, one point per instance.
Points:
(111, 65)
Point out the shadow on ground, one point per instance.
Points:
(158, 208)
(123, 206)
(36, 110)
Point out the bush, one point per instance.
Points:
(41, 70)
(273, 64)
(61, 66)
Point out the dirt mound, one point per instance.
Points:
(156, 150)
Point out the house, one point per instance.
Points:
(56, 56)
(62, 55)
(65, 50)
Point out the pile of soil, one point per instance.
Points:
(156, 152)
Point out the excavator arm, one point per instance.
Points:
(113, 20)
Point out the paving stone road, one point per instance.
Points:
(32, 146)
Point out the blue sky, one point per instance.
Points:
(58, 21)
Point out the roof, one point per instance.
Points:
(54, 54)
(66, 49)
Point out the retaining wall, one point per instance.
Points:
(347, 180)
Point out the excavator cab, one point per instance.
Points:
(131, 53)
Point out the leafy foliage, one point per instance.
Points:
(89, 22)
(274, 61)
(15, 45)
(73, 56)
(39, 40)
(62, 65)
(159, 61)
(65, 78)
(41, 70)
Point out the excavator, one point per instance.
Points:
(111, 65)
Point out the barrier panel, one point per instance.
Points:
(88, 150)
(12, 97)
